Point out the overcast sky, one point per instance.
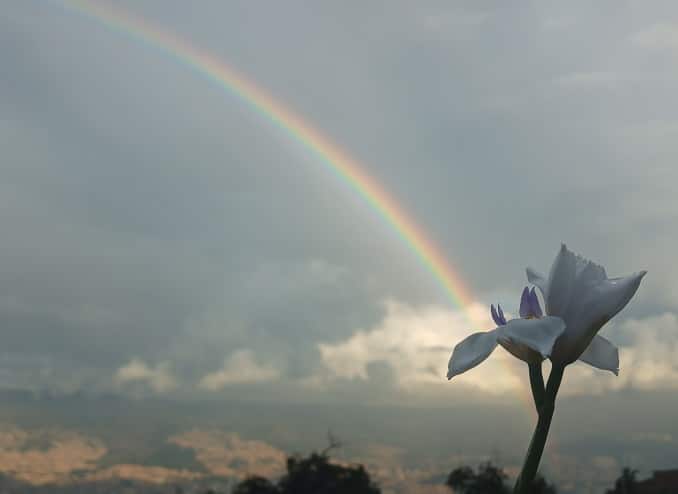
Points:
(158, 236)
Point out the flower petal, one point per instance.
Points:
(537, 279)
(538, 334)
(534, 304)
(495, 316)
(595, 306)
(589, 271)
(589, 275)
(602, 354)
(523, 352)
(502, 318)
(615, 293)
(524, 310)
(471, 351)
(561, 280)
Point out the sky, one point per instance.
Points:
(162, 239)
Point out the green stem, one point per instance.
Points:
(541, 432)
(537, 384)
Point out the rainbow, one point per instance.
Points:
(336, 161)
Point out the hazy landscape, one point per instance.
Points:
(63, 441)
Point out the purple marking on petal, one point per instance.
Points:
(534, 304)
(525, 309)
(495, 317)
(502, 319)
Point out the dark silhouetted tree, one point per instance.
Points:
(627, 483)
(314, 474)
(255, 485)
(541, 486)
(490, 480)
(461, 479)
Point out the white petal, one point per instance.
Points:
(601, 354)
(589, 275)
(537, 334)
(589, 271)
(561, 280)
(603, 301)
(538, 280)
(595, 306)
(615, 293)
(522, 352)
(471, 351)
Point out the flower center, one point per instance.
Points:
(529, 304)
(529, 308)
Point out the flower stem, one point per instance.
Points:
(537, 384)
(541, 431)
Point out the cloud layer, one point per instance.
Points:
(239, 368)
(159, 378)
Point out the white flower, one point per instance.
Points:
(579, 299)
(530, 337)
(579, 292)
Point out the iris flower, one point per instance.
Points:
(579, 299)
